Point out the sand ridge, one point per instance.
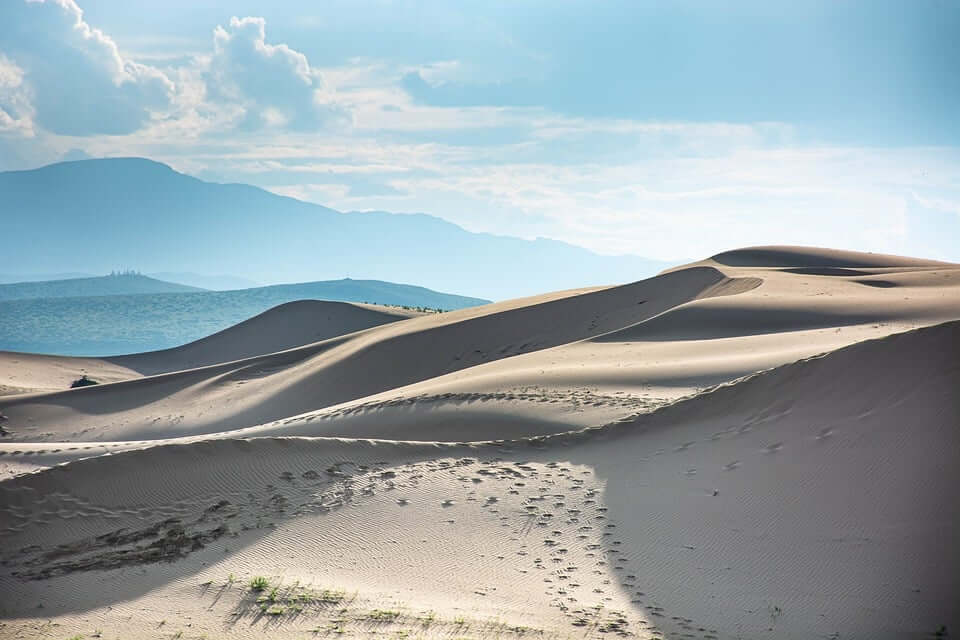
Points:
(283, 327)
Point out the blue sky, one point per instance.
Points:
(670, 129)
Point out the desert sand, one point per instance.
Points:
(285, 326)
(763, 444)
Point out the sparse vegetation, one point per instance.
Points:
(331, 597)
(259, 583)
(383, 615)
(270, 596)
(407, 307)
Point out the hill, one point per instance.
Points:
(112, 285)
(11, 278)
(105, 325)
(94, 214)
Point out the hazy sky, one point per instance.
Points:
(671, 129)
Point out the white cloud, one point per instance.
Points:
(16, 112)
(60, 74)
(272, 85)
(78, 81)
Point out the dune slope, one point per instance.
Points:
(285, 326)
(743, 511)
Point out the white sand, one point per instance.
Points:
(807, 496)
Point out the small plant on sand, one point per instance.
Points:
(259, 583)
(383, 615)
(275, 610)
(329, 596)
(270, 596)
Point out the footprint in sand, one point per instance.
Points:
(825, 433)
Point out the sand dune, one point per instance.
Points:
(813, 257)
(283, 327)
(757, 445)
(265, 388)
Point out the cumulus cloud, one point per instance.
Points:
(79, 83)
(271, 84)
(61, 75)
(16, 112)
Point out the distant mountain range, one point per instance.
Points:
(199, 280)
(98, 215)
(116, 324)
(122, 284)
(8, 278)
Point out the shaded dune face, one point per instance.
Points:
(827, 261)
(763, 450)
(283, 327)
